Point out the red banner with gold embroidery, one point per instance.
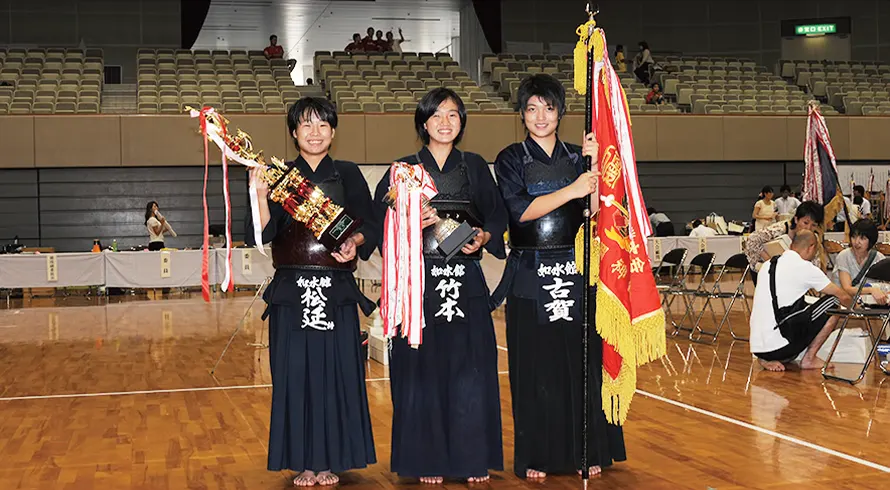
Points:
(629, 317)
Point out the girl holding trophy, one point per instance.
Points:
(435, 302)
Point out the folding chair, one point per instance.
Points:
(736, 263)
(879, 271)
(703, 262)
(673, 259)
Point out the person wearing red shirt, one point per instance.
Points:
(355, 45)
(368, 43)
(273, 50)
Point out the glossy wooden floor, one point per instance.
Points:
(119, 396)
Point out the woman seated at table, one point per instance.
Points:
(852, 262)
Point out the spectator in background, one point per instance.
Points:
(309, 81)
(860, 200)
(644, 62)
(368, 42)
(355, 45)
(850, 263)
(273, 50)
(382, 44)
(808, 216)
(699, 230)
(396, 44)
(655, 96)
(764, 210)
(661, 224)
(619, 58)
(787, 204)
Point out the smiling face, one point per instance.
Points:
(444, 125)
(541, 119)
(314, 135)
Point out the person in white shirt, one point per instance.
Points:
(156, 225)
(860, 200)
(699, 230)
(764, 210)
(787, 204)
(804, 327)
(841, 218)
(396, 44)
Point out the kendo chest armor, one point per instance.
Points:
(296, 247)
(453, 200)
(558, 228)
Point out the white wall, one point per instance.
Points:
(306, 26)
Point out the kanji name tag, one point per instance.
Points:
(166, 265)
(246, 262)
(52, 268)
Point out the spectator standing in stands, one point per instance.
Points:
(309, 81)
(619, 58)
(396, 44)
(764, 210)
(783, 323)
(368, 43)
(644, 62)
(699, 230)
(445, 396)
(382, 44)
(273, 50)
(787, 204)
(356, 44)
(655, 96)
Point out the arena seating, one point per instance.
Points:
(236, 81)
(857, 88)
(394, 82)
(50, 81)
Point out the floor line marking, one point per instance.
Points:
(772, 433)
(152, 392)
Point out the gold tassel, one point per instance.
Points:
(594, 253)
(649, 337)
(581, 49)
(618, 393)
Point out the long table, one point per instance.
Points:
(249, 267)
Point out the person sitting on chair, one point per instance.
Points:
(808, 216)
(699, 230)
(783, 323)
(852, 263)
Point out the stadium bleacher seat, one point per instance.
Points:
(42, 79)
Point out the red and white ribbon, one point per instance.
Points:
(401, 301)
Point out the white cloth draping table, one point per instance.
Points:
(143, 269)
(73, 270)
(260, 266)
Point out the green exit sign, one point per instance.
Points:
(815, 29)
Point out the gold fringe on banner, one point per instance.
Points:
(581, 49)
(594, 253)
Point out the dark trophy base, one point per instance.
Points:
(456, 240)
(339, 230)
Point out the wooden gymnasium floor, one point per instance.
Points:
(119, 396)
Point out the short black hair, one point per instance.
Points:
(810, 209)
(860, 189)
(644, 44)
(308, 81)
(785, 187)
(696, 223)
(865, 228)
(273, 36)
(766, 189)
(429, 104)
(307, 107)
(619, 47)
(544, 86)
(356, 35)
(650, 210)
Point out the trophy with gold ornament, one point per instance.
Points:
(450, 234)
(302, 199)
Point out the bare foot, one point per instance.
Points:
(431, 480)
(327, 478)
(772, 365)
(814, 363)
(305, 479)
(593, 471)
(535, 474)
(478, 479)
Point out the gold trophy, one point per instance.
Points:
(302, 199)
